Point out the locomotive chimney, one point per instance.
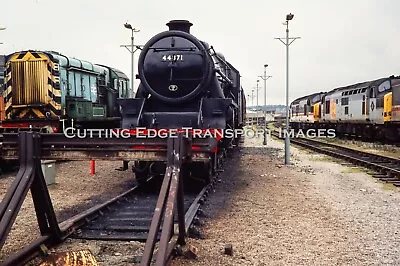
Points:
(181, 25)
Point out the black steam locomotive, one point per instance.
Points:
(184, 84)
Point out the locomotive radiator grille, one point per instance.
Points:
(32, 87)
(29, 82)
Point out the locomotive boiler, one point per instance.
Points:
(184, 83)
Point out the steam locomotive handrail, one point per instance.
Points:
(223, 76)
(171, 49)
(221, 60)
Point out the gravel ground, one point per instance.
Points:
(75, 190)
(315, 212)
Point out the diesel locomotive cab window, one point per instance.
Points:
(384, 86)
(396, 94)
(316, 99)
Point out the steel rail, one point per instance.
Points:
(54, 233)
(389, 166)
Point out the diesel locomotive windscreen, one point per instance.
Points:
(396, 91)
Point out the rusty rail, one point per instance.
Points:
(178, 152)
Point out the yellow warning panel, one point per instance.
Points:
(71, 258)
(316, 111)
(387, 107)
(333, 109)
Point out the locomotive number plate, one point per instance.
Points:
(172, 57)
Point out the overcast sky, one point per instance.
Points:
(342, 41)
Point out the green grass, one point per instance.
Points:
(324, 158)
(388, 186)
(271, 126)
(351, 170)
(305, 150)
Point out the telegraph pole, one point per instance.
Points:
(265, 77)
(287, 44)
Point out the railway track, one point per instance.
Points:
(387, 168)
(129, 217)
(159, 210)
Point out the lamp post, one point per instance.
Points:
(257, 91)
(2, 28)
(257, 100)
(287, 43)
(265, 77)
(252, 98)
(132, 50)
(252, 104)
